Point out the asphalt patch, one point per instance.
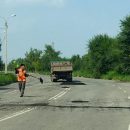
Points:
(73, 83)
(47, 105)
(65, 87)
(79, 101)
(4, 88)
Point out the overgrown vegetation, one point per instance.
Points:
(7, 79)
(106, 57)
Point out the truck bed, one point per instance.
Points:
(61, 66)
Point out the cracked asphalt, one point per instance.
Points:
(84, 104)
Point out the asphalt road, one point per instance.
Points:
(84, 104)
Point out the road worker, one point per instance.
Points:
(21, 77)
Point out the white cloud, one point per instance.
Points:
(57, 3)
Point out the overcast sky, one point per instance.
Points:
(67, 23)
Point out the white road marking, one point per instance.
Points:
(16, 114)
(60, 94)
(56, 95)
(68, 89)
(30, 109)
(128, 97)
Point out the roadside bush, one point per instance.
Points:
(7, 79)
(112, 75)
(82, 74)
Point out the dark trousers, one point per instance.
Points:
(22, 87)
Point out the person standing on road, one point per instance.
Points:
(21, 77)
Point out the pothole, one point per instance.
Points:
(65, 87)
(79, 101)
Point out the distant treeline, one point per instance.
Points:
(106, 57)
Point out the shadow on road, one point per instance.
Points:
(31, 96)
(75, 82)
(4, 88)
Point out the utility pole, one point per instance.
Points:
(6, 51)
(6, 42)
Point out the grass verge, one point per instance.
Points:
(111, 75)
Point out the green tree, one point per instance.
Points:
(16, 63)
(124, 39)
(49, 54)
(1, 65)
(33, 60)
(85, 62)
(76, 61)
(103, 54)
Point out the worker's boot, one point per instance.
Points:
(22, 93)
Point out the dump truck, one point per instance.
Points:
(61, 70)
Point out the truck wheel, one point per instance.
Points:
(53, 80)
(69, 80)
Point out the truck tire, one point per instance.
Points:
(69, 80)
(53, 80)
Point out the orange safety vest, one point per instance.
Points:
(21, 75)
